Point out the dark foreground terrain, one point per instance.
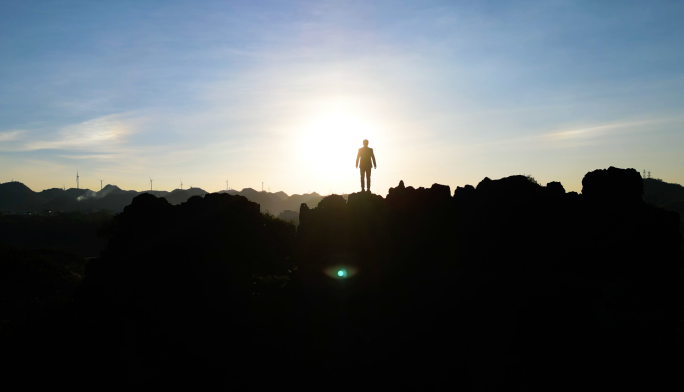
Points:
(505, 285)
(72, 232)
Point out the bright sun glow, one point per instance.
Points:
(329, 144)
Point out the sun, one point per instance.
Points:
(328, 145)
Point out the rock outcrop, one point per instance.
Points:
(602, 269)
(182, 282)
(506, 284)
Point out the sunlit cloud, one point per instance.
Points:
(97, 133)
(595, 131)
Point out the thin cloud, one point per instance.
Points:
(95, 156)
(102, 134)
(9, 136)
(572, 137)
(101, 131)
(593, 132)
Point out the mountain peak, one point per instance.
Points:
(110, 188)
(15, 186)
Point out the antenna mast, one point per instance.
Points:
(77, 185)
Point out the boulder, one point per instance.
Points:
(613, 186)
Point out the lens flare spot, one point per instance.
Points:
(340, 272)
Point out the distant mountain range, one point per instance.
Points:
(15, 197)
(278, 202)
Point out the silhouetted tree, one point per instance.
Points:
(531, 179)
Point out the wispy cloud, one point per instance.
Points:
(98, 132)
(9, 136)
(89, 156)
(595, 131)
(573, 137)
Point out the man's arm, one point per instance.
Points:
(373, 157)
(358, 156)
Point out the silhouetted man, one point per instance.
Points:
(365, 155)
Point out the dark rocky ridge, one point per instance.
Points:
(506, 285)
(188, 270)
(539, 284)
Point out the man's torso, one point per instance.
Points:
(365, 153)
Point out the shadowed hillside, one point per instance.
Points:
(495, 276)
(503, 285)
(665, 195)
(210, 261)
(38, 324)
(661, 193)
(73, 232)
(15, 196)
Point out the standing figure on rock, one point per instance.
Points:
(365, 155)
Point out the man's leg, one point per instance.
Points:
(362, 184)
(368, 174)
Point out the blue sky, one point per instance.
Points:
(284, 91)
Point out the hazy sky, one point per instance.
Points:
(285, 91)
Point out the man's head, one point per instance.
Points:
(365, 143)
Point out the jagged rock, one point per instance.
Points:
(555, 188)
(289, 216)
(364, 198)
(333, 202)
(187, 271)
(404, 197)
(513, 186)
(440, 191)
(613, 185)
(463, 194)
(303, 212)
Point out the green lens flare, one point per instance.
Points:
(340, 272)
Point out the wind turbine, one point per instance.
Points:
(150, 184)
(227, 189)
(77, 187)
(101, 184)
(181, 184)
